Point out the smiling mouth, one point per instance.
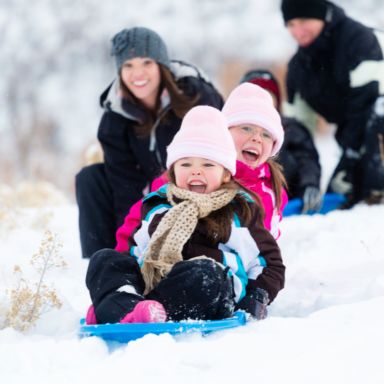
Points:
(196, 186)
(251, 155)
(140, 83)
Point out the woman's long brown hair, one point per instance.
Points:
(181, 102)
(278, 180)
(218, 223)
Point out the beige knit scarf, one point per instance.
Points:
(175, 228)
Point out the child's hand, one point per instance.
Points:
(255, 303)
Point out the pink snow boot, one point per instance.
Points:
(90, 319)
(147, 311)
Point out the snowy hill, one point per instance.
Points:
(324, 327)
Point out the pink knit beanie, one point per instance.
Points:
(204, 133)
(251, 104)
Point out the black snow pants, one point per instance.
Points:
(197, 289)
(373, 157)
(364, 168)
(96, 214)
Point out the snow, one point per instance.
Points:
(329, 153)
(128, 289)
(324, 326)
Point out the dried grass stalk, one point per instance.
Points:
(29, 301)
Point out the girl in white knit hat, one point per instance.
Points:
(201, 248)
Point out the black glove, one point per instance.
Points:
(312, 199)
(255, 303)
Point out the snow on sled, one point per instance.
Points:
(331, 201)
(123, 333)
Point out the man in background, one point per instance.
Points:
(338, 73)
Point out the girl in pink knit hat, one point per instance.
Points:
(256, 129)
(201, 249)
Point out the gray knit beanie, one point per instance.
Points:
(139, 42)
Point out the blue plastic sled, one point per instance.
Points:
(123, 333)
(331, 201)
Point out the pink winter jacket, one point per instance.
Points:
(257, 180)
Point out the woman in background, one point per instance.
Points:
(143, 108)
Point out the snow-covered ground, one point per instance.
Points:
(326, 326)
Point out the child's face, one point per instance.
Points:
(253, 144)
(200, 175)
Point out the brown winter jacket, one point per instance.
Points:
(251, 252)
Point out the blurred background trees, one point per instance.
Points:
(54, 64)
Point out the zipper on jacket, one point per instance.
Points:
(152, 141)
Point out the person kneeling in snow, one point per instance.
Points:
(337, 72)
(201, 250)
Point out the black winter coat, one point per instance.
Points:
(299, 158)
(334, 77)
(130, 163)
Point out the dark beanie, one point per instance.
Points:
(313, 9)
(263, 79)
(139, 42)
